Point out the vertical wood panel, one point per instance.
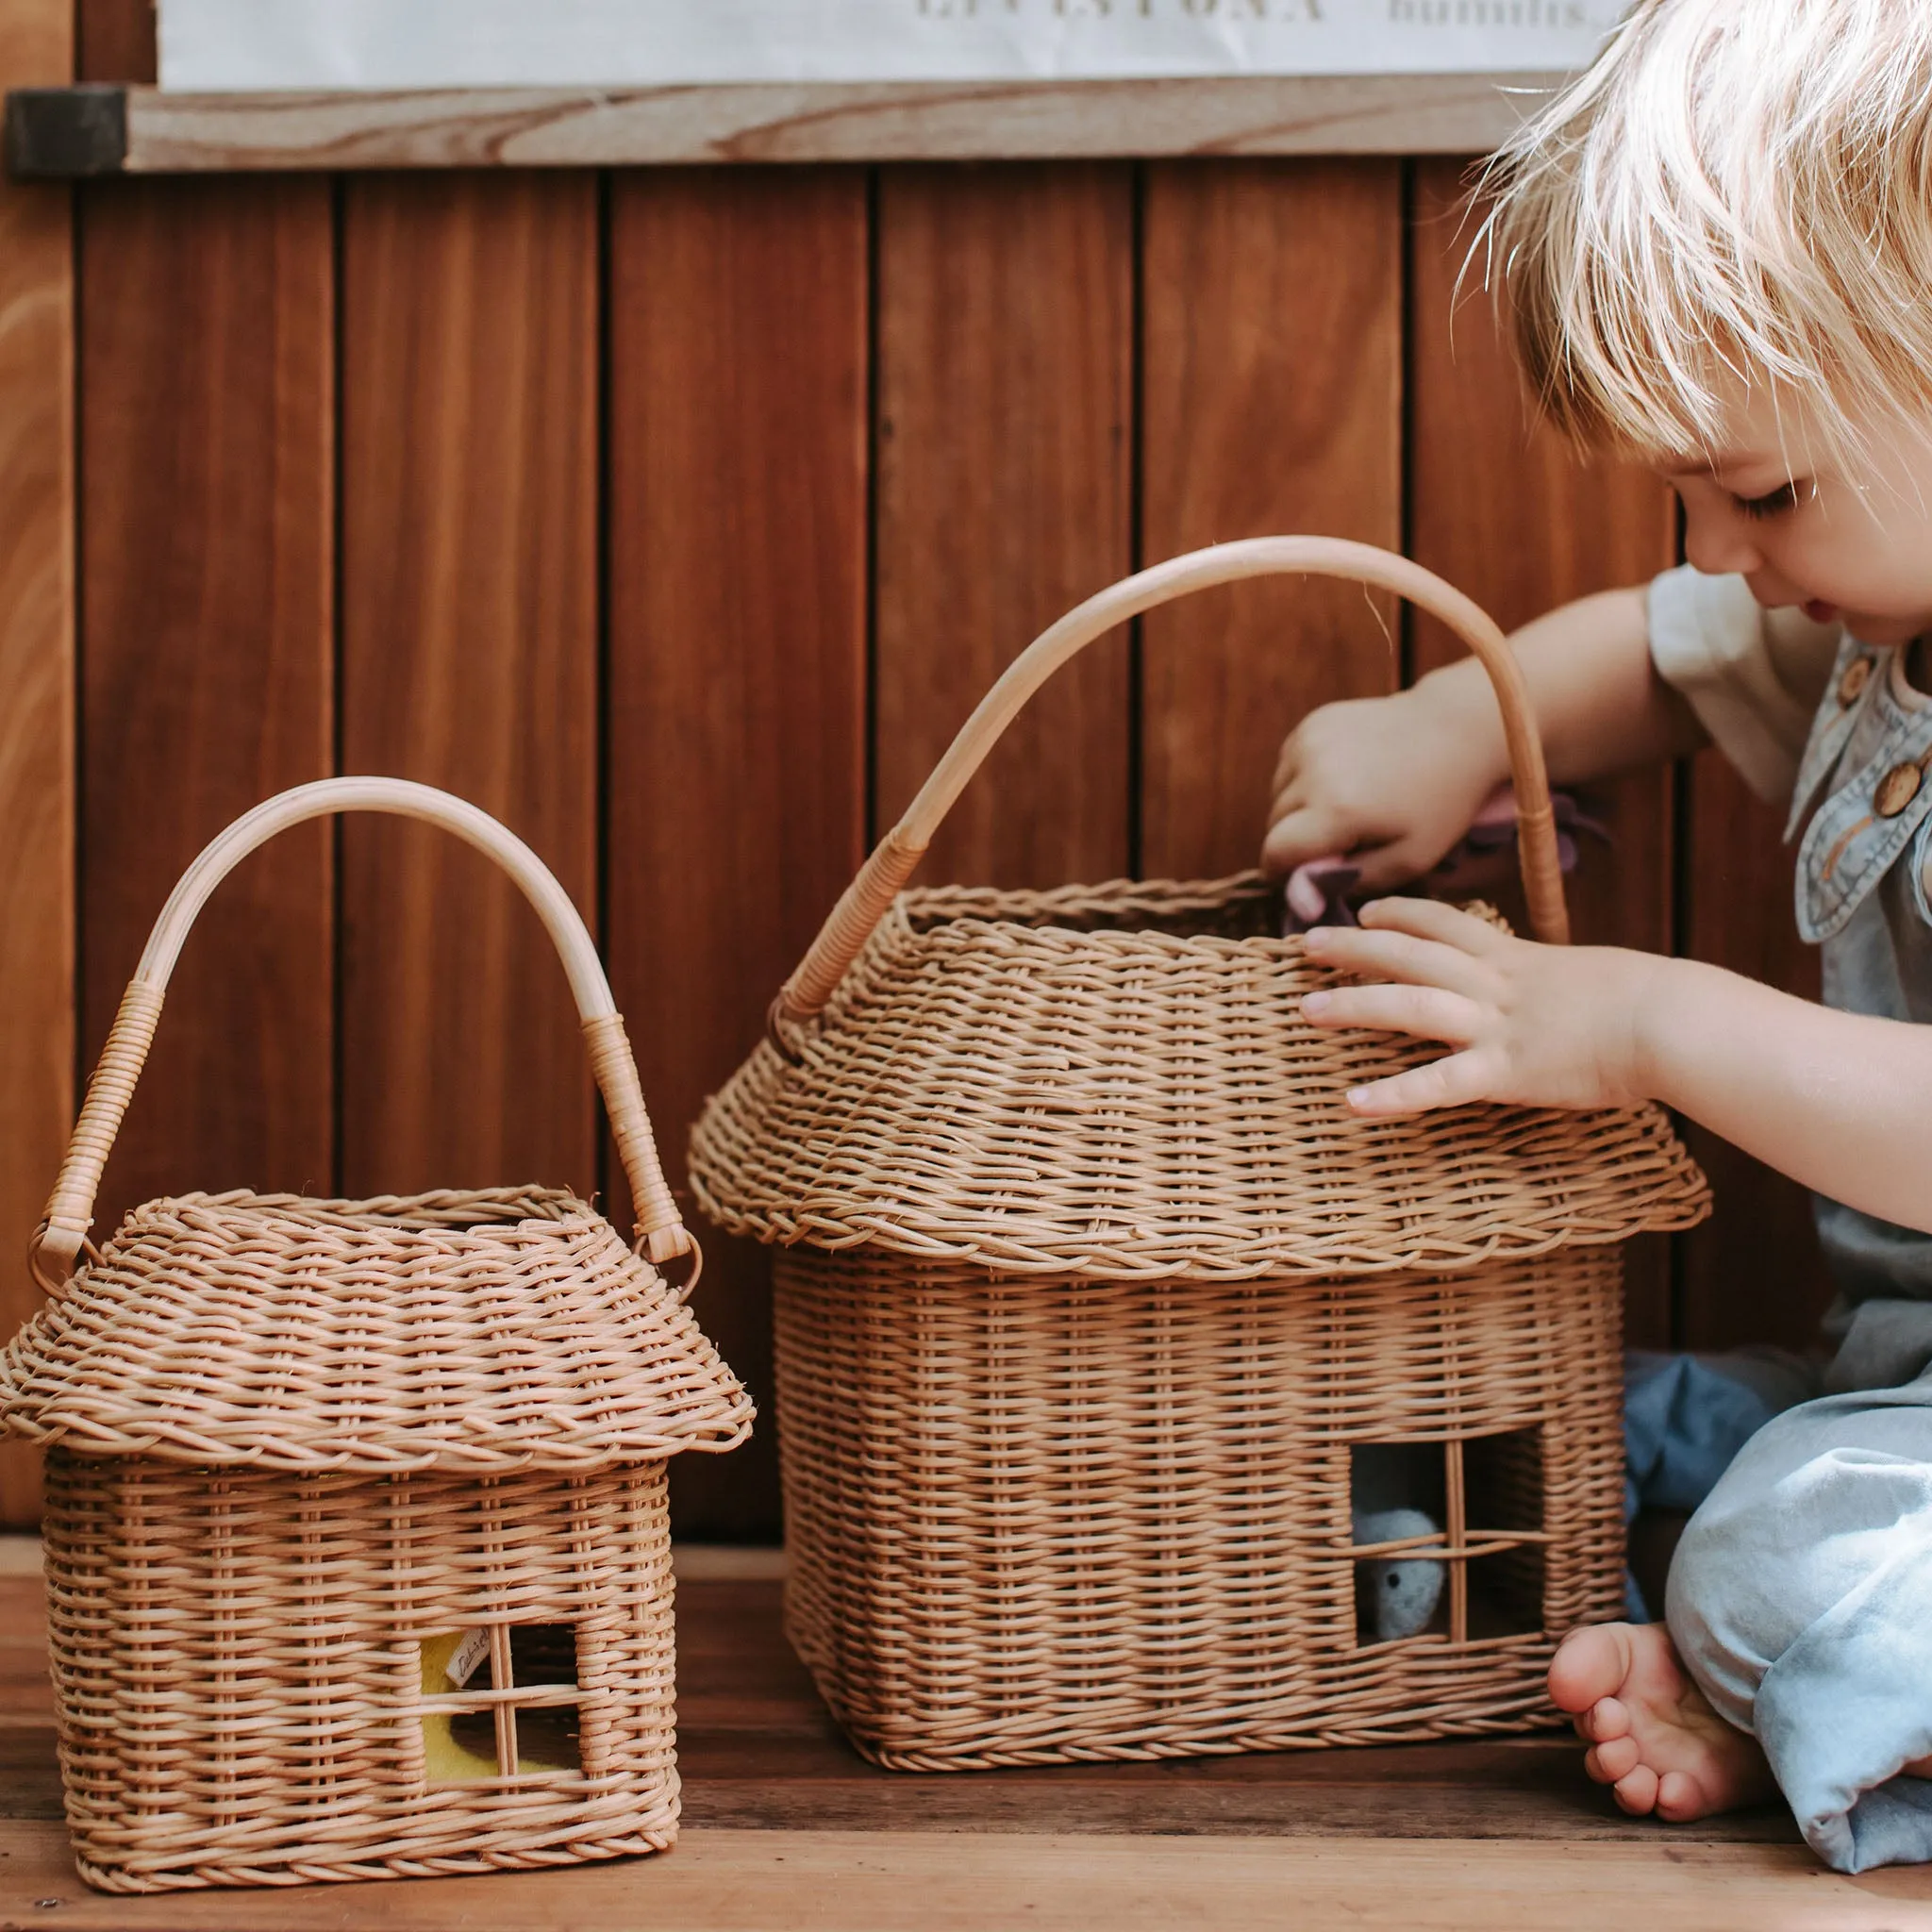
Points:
(470, 614)
(1272, 403)
(205, 554)
(1506, 512)
(737, 622)
(116, 39)
(1753, 1273)
(37, 776)
(1005, 496)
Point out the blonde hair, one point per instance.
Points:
(1736, 189)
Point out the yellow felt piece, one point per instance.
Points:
(436, 1651)
(446, 1760)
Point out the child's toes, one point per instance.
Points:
(1610, 1763)
(1607, 1718)
(1635, 1792)
(1679, 1797)
(1589, 1665)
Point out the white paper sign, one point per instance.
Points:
(218, 46)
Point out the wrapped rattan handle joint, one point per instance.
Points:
(660, 1229)
(866, 901)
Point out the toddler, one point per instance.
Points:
(1717, 253)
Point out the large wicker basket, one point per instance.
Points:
(357, 1553)
(1090, 1289)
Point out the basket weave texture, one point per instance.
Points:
(237, 1668)
(1097, 1307)
(357, 1548)
(491, 1332)
(1034, 1521)
(1117, 1082)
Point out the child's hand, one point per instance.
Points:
(1533, 1026)
(1390, 784)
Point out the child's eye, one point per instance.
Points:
(1773, 503)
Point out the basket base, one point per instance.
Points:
(122, 1881)
(1510, 1700)
(1257, 1745)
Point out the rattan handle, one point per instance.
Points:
(866, 900)
(70, 1212)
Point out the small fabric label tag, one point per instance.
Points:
(467, 1655)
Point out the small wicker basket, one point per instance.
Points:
(357, 1551)
(1090, 1290)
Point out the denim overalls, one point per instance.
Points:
(1801, 1596)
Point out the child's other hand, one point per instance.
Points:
(1532, 1026)
(1389, 783)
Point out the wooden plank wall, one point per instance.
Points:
(679, 518)
(37, 738)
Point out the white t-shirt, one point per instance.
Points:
(1753, 676)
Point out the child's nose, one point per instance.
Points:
(1720, 545)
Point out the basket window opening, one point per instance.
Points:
(502, 1705)
(1448, 1539)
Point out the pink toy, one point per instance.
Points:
(1319, 893)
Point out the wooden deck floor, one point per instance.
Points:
(787, 1829)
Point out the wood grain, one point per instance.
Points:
(941, 1881)
(757, 1750)
(116, 39)
(26, 1689)
(1753, 1273)
(785, 1827)
(827, 122)
(37, 747)
(470, 612)
(1272, 403)
(1506, 512)
(1005, 497)
(207, 394)
(737, 663)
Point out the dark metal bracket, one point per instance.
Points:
(66, 133)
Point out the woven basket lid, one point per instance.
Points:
(487, 1332)
(1118, 1082)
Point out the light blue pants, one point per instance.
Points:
(1685, 1417)
(1801, 1602)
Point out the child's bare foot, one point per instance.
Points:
(1653, 1738)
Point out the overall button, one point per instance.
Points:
(1896, 791)
(1851, 687)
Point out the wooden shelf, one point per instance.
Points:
(71, 133)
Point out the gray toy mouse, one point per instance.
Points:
(1396, 1596)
